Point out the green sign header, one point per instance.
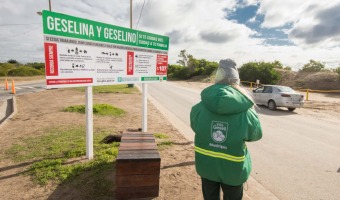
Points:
(74, 27)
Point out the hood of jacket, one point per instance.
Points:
(225, 99)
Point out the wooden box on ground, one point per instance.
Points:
(137, 166)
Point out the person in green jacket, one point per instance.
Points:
(223, 122)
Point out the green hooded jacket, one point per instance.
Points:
(223, 121)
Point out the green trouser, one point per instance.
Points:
(211, 190)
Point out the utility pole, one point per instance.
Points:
(144, 91)
(130, 14)
(49, 5)
(130, 85)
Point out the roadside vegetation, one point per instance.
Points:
(190, 68)
(15, 69)
(309, 76)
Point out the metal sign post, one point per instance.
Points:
(89, 122)
(145, 108)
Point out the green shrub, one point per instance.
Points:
(5, 67)
(12, 61)
(337, 70)
(38, 66)
(211, 68)
(24, 71)
(173, 71)
(262, 71)
(313, 66)
(195, 68)
(178, 72)
(183, 73)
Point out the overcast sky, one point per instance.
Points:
(290, 31)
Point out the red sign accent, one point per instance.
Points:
(162, 64)
(51, 59)
(64, 81)
(130, 63)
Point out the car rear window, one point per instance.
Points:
(285, 89)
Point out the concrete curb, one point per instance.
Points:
(8, 110)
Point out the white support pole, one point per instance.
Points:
(145, 108)
(89, 123)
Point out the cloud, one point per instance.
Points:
(217, 37)
(313, 23)
(279, 13)
(178, 37)
(325, 31)
(223, 32)
(252, 20)
(175, 35)
(200, 27)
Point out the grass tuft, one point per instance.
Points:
(99, 109)
(76, 108)
(164, 144)
(55, 153)
(161, 136)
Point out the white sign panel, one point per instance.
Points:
(78, 55)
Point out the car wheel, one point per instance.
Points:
(272, 105)
(291, 109)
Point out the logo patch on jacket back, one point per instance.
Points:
(219, 131)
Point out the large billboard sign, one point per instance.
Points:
(81, 52)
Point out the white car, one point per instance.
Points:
(278, 96)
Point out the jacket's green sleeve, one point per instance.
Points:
(254, 132)
(194, 117)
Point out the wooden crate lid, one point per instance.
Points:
(137, 146)
(138, 155)
(137, 133)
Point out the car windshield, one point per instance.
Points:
(285, 89)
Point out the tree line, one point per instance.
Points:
(188, 66)
(14, 68)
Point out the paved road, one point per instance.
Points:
(22, 88)
(298, 157)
